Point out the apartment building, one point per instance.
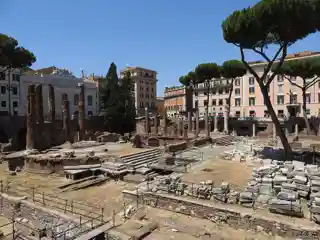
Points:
(66, 87)
(174, 100)
(9, 92)
(247, 99)
(145, 88)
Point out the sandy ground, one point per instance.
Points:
(217, 170)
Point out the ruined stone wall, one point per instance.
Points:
(45, 166)
(237, 219)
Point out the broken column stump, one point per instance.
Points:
(39, 144)
(81, 113)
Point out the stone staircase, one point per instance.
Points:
(142, 159)
(224, 141)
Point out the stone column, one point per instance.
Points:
(39, 144)
(274, 131)
(189, 121)
(146, 118)
(156, 125)
(31, 118)
(286, 130)
(66, 120)
(254, 130)
(52, 105)
(225, 122)
(216, 123)
(209, 127)
(206, 122)
(178, 122)
(165, 125)
(185, 130)
(193, 124)
(296, 130)
(197, 122)
(81, 110)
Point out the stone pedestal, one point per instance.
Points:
(296, 130)
(254, 130)
(216, 124)
(197, 122)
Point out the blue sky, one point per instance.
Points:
(169, 36)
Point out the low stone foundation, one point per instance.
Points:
(240, 218)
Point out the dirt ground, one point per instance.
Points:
(217, 170)
(178, 226)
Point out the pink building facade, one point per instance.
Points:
(247, 99)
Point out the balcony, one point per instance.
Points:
(293, 104)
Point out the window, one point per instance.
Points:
(266, 113)
(280, 78)
(90, 114)
(220, 91)
(196, 104)
(227, 101)
(205, 102)
(3, 89)
(2, 76)
(196, 94)
(280, 113)
(237, 101)
(205, 93)
(76, 100)
(308, 98)
(251, 90)
(237, 113)
(220, 102)
(293, 79)
(227, 90)
(252, 101)
(214, 102)
(15, 104)
(14, 90)
(251, 80)
(293, 99)
(280, 100)
(64, 97)
(280, 88)
(237, 91)
(237, 82)
(252, 113)
(214, 91)
(308, 111)
(3, 104)
(16, 77)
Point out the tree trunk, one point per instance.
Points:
(229, 102)
(304, 110)
(275, 120)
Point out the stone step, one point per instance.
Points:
(134, 157)
(139, 153)
(143, 162)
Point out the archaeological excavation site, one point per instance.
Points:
(70, 179)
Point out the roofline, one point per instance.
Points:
(316, 54)
(137, 68)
